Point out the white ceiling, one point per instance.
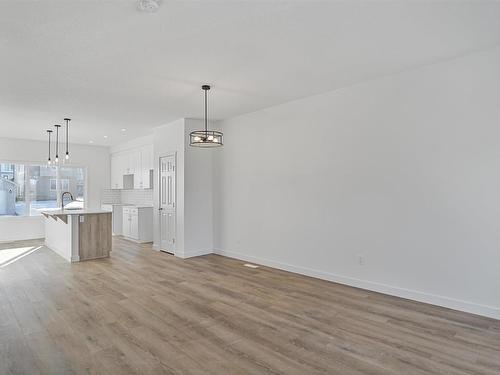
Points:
(109, 66)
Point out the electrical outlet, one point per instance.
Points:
(361, 260)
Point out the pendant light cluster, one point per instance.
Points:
(205, 138)
(49, 132)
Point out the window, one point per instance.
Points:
(6, 168)
(63, 184)
(26, 190)
(12, 189)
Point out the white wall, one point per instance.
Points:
(198, 195)
(403, 170)
(194, 188)
(95, 158)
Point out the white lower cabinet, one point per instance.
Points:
(138, 223)
(134, 226)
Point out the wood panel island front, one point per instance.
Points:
(78, 235)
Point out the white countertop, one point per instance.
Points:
(74, 212)
(128, 205)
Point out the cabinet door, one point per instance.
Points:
(134, 226)
(126, 224)
(114, 172)
(147, 157)
(134, 161)
(146, 164)
(138, 175)
(124, 164)
(117, 171)
(112, 178)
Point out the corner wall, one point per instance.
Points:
(391, 185)
(194, 211)
(199, 195)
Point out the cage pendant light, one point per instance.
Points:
(206, 138)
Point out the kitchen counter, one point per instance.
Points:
(78, 235)
(127, 204)
(62, 214)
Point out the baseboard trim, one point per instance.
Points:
(193, 253)
(22, 239)
(451, 303)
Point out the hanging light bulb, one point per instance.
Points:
(49, 162)
(67, 138)
(205, 138)
(56, 160)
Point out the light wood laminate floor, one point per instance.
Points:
(144, 312)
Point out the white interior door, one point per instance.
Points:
(167, 204)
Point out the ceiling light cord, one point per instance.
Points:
(206, 113)
(57, 143)
(49, 132)
(67, 137)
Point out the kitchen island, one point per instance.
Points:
(78, 235)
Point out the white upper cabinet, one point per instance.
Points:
(147, 166)
(137, 162)
(134, 162)
(118, 166)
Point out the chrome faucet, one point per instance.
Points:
(62, 198)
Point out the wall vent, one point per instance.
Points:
(251, 265)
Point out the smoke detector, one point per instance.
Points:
(149, 6)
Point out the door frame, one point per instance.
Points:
(160, 156)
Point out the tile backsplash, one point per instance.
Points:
(138, 197)
(111, 196)
(144, 196)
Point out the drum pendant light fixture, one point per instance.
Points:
(205, 138)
